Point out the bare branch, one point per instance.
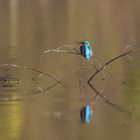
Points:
(107, 63)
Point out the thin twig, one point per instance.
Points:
(105, 69)
(107, 63)
(60, 50)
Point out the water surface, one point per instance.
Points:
(29, 27)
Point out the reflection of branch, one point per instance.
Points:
(40, 73)
(98, 71)
(10, 81)
(102, 68)
(106, 100)
(43, 90)
(18, 97)
(30, 68)
(118, 86)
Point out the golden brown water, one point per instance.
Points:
(29, 27)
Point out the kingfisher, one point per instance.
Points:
(85, 113)
(85, 49)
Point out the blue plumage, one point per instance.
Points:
(85, 49)
(85, 113)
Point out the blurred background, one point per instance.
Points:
(28, 28)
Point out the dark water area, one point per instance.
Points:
(30, 27)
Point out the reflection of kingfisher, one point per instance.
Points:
(85, 113)
(85, 49)
(86, 110)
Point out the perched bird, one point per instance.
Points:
(85, 49)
